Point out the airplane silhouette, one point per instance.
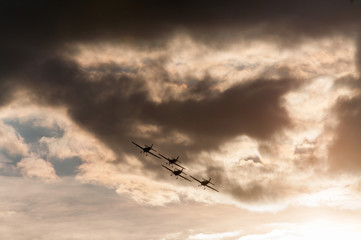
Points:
(147, 149)
(177, 172)
(172, 161)
(205, 183)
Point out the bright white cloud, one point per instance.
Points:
(11, 142)
(141, 188)
(215, 236)
(38, 168)
(278, 234)
(74, 142)
(185, 60)
(311, 230)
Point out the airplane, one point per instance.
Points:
(172, 161)
(177, 173)
(147, 149)
(205, 183)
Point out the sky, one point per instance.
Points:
(263, 97)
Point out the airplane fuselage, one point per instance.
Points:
(205, 182)
(147, 149)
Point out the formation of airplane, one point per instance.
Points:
(174, 161)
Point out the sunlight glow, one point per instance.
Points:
(203, 236)
(330, 230)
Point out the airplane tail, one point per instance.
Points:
(210, 181)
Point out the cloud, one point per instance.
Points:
(255, 159)
(38, 168)
(142, 189)
(11, 142)
(66, 21)
(122, 98)
(240, 90)
(58, 26)
(345, 151)
(36, 206)
(111, 106)
(62, 205)
(253, 109)
(181, 112)
(210, 236)
(278, 234)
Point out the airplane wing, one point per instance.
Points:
(154, 155)
(164, 157)
(137, 145)
(179, 165)
(167, 168)
(185, 178)
(195, 179)
(212, 188)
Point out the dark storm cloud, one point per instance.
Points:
(104, 106)
(35, 34)
(111, 105)
(32, 30)
(240, 109)
(358, 53)
(6, 93)
(42, 23)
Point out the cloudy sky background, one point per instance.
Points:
(262, 96)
